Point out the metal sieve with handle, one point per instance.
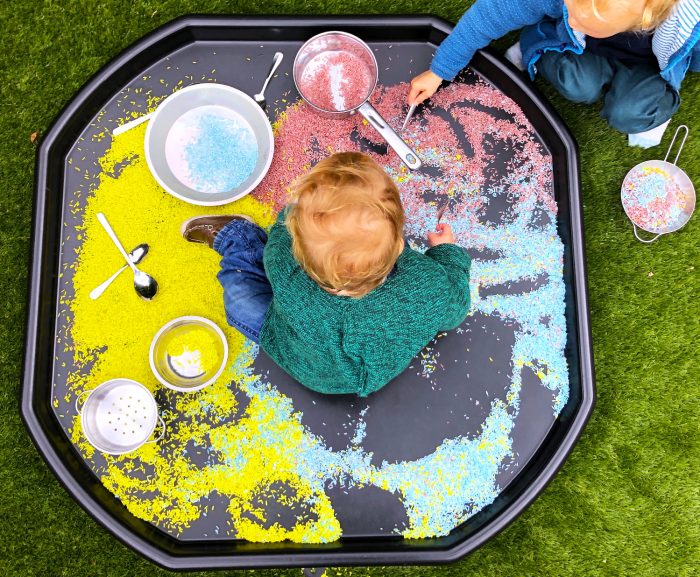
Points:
(655, 214)
(119, 416)
(314, 62)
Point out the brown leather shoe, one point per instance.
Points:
(204, 229)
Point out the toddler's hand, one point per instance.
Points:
(423, 87)
(443, 235)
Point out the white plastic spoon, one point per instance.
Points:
(131, 124)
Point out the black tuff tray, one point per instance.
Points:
(363, 543)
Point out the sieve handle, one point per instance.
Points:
(77, 401)
(162, 431)
(680, 148)
(405, 152)
(640, 239)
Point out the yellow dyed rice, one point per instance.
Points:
(111, 338)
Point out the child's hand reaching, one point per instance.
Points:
(442, 235)
(423, 87)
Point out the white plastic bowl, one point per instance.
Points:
(186, 100)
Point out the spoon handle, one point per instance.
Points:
(442, 210)
(98, 290)
(276, 61)
(129, 125)
(411, 110)
(103, 221)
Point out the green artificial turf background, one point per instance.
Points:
(627, 500)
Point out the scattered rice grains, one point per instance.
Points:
(249, 451)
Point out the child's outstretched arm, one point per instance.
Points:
(485, 21)
(456, 263)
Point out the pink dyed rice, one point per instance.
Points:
(336, 81)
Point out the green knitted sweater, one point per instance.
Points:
(337, 344)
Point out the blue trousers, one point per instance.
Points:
(247, 292)
(637, 99)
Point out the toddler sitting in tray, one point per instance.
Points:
(334, 295)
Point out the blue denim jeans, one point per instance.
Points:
(636, 98)
(247, 292)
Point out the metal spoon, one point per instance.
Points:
(442, 210)
(145, 285)
(276, 61)
(411, 110)
(136, 257)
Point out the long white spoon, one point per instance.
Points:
(131, 124)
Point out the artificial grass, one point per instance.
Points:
(627, 500)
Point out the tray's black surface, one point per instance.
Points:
(539, 460)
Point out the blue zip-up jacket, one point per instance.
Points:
(676, 42)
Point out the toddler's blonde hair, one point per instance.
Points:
(654, 12)
(346, 223)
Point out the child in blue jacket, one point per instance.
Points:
(637, 52)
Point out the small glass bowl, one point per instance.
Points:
(188, 371)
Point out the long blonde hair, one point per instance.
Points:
(346, 222)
